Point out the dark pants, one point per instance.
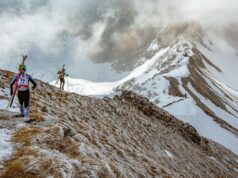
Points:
(62, 82)
(24, 101)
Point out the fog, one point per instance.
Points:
(98, 40)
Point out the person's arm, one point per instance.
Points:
(12, 83)
(33, 82)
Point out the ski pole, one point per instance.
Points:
(68, 84)
(57, 81)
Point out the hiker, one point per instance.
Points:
(61, 76)
(23, 91)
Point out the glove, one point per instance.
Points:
(33, 88)
(11, 92)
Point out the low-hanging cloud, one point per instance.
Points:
(79, 32)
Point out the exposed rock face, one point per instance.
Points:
(127, 136)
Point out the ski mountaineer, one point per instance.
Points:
(23, 90)
(61, 76)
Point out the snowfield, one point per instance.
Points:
(224, 57)
(89, 88)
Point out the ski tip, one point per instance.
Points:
(24, 58)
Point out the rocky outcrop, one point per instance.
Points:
(149, 109)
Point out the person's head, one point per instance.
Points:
(22, 67)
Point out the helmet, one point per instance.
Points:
(22, 67)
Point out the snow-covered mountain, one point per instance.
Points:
(193, 82)
(192, 77)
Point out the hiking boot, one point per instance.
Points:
(19, 115)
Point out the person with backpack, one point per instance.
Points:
(61, 77)
(21, 81)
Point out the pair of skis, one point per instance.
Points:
(16, 83)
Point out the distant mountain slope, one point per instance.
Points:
(193, 82)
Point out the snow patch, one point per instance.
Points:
(65, 165)
(164, 153)
(181, 71)
(6, 147)
(170, 155)
(154, 46)
(214, 159)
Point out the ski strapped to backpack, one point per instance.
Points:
(16, 88)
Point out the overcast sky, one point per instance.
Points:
(89, 35)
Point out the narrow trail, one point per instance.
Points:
(167, 105)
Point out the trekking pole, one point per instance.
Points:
(57, 81)
(8, 105)
(68, 83)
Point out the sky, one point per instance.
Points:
(98, 40)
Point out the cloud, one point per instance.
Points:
(75, 32)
